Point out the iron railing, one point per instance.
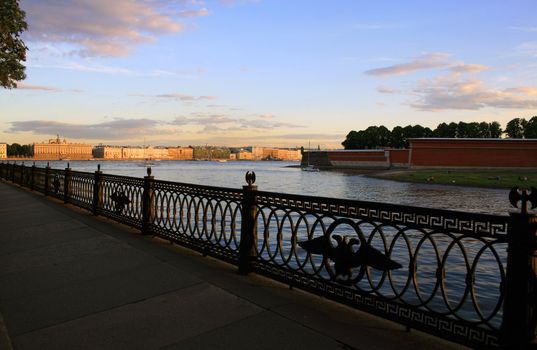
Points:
(465, 277)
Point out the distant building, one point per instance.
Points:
(126, 153)
(270, 153)
(61, 149)
(282, 154)
(3, 150)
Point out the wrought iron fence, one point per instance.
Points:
(462, 276)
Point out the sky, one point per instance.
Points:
(280, 73)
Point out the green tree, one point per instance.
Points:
(12, 48)
(397, 139)
(483, 130)
(530, 129)
(495, 130)
(351, 140)
(515, 128)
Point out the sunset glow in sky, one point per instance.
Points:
(267, 72)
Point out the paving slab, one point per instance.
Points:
(264, 331)
(149, 324)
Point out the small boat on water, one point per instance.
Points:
(309, 167)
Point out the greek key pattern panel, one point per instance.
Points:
(210, 192)
(444, 326)
(453, 221)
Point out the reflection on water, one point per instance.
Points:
(278, 177)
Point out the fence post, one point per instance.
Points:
(32, 177)
(248, 239)
(66, 183)
(147, 202)
(519, 322)
(47, 179)
(13, 166)
(97, 185)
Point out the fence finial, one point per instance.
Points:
(148, 171)
(68, 166)
(98, 167)
(521, 195)
(250, 177)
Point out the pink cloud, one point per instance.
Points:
(427, 61)
(103, 27)
(452, 92)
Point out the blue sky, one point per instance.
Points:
(280, 73)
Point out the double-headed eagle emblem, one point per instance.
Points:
(343, 255)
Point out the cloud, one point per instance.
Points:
(115, 129)
(215, 123)
(312, 136)
(427, 61)
(183, 97)
(454, 92)
(387, 90)
(26, 86)
(524, 29)
(530, 91)
(468, 68)
(194, 13)
(527, 49)
(103, 27)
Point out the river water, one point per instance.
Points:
(281, 177)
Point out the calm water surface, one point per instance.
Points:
(279, 177)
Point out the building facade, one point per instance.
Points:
(56, 149)
(3, 150)
(154, 153)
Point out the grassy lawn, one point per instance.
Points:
(489, 178)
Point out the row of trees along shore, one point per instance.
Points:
(380, 136)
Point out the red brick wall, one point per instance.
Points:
(399, 156)
(473, 153)
(373, 156)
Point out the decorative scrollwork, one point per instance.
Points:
(120, 200)
(343, 255)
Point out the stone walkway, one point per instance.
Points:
(69, 280)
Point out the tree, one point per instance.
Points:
(530, 129)
(483, 130)
(495, 130)
(397, 139)
(12, 48)
(515, 128)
